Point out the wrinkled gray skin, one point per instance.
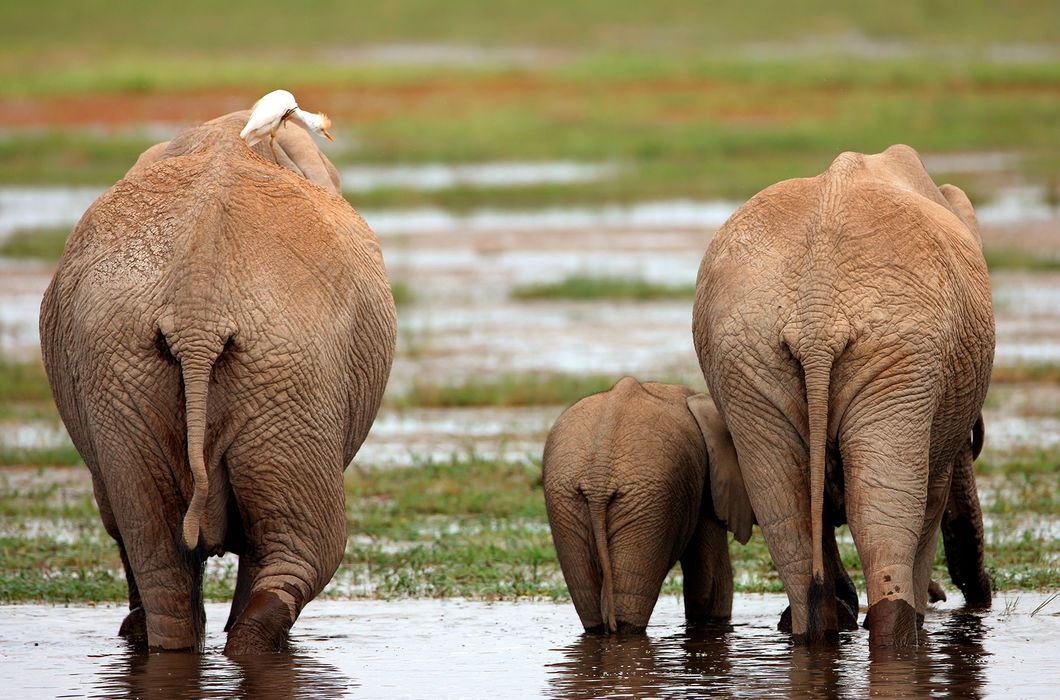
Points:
(629, 493)
(844, 326)
(217, 337)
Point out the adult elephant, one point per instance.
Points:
(217, 336)
(635, 479)
(844, 326)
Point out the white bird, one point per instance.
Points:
(271, 111)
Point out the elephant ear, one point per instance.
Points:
(147, 159)
(296, 150)
(962, 206)
(727, 489)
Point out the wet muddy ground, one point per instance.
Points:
(462, 649)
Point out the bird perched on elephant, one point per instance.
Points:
(844, 327)
(637, 478)
(217, 336)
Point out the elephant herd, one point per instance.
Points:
(220, 330)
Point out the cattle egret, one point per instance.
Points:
(270, 113)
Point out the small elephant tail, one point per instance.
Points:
(598, 518)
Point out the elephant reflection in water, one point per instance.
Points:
(139, 674)
(721, 660)
(639, 666)
(948, 663)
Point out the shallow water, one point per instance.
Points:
(29, 207)
(440, 176)
(461, 649)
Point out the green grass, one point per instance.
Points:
(403, 294)
(672, 93)
(581, 287)
(35, 244)
(68, 28)
(24, 391)
(532, 389)
(1025, 373)
(709, 135)
(58, 455)
(68, 156)
(1015, 259)
(469, 527)
(1031, 460)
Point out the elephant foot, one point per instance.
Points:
(262, 627)
(623, 628)
(134, 627)
(977, 593)
(846, 616)
(936, 592)
(892, 623)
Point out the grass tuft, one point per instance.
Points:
(1016, 259)
(36, 244)
(507, 390)
(580, 287)
(1026, 373)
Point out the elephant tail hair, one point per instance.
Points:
(598, 518)
(196, 367)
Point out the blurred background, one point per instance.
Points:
(543, 177)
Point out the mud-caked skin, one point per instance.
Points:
(217, 336)
(844, 327)
(636, 479)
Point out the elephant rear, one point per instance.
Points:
(624, 475)
(843, 325)
(219, 333)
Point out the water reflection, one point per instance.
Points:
(678, 665)
(750, 662)
(164, 676)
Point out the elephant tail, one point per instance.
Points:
(197, 354)
(598, 518)
(817, 359)
(818, 375)
(196, 382)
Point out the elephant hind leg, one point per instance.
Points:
(134, 627)
(244, 583)
(886, 470)
(707, 572)
(576, 550)
(846, 596)
(165, 578)
(962, 535)
(290, 553)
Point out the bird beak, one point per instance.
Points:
(324, 124)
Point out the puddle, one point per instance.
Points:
(660, 214)
(461, 649)
(39, 207)
(33, 435)
(441, 176)
(972, 162)
(36, 207)
(410, 436)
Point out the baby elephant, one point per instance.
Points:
(636, 479)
